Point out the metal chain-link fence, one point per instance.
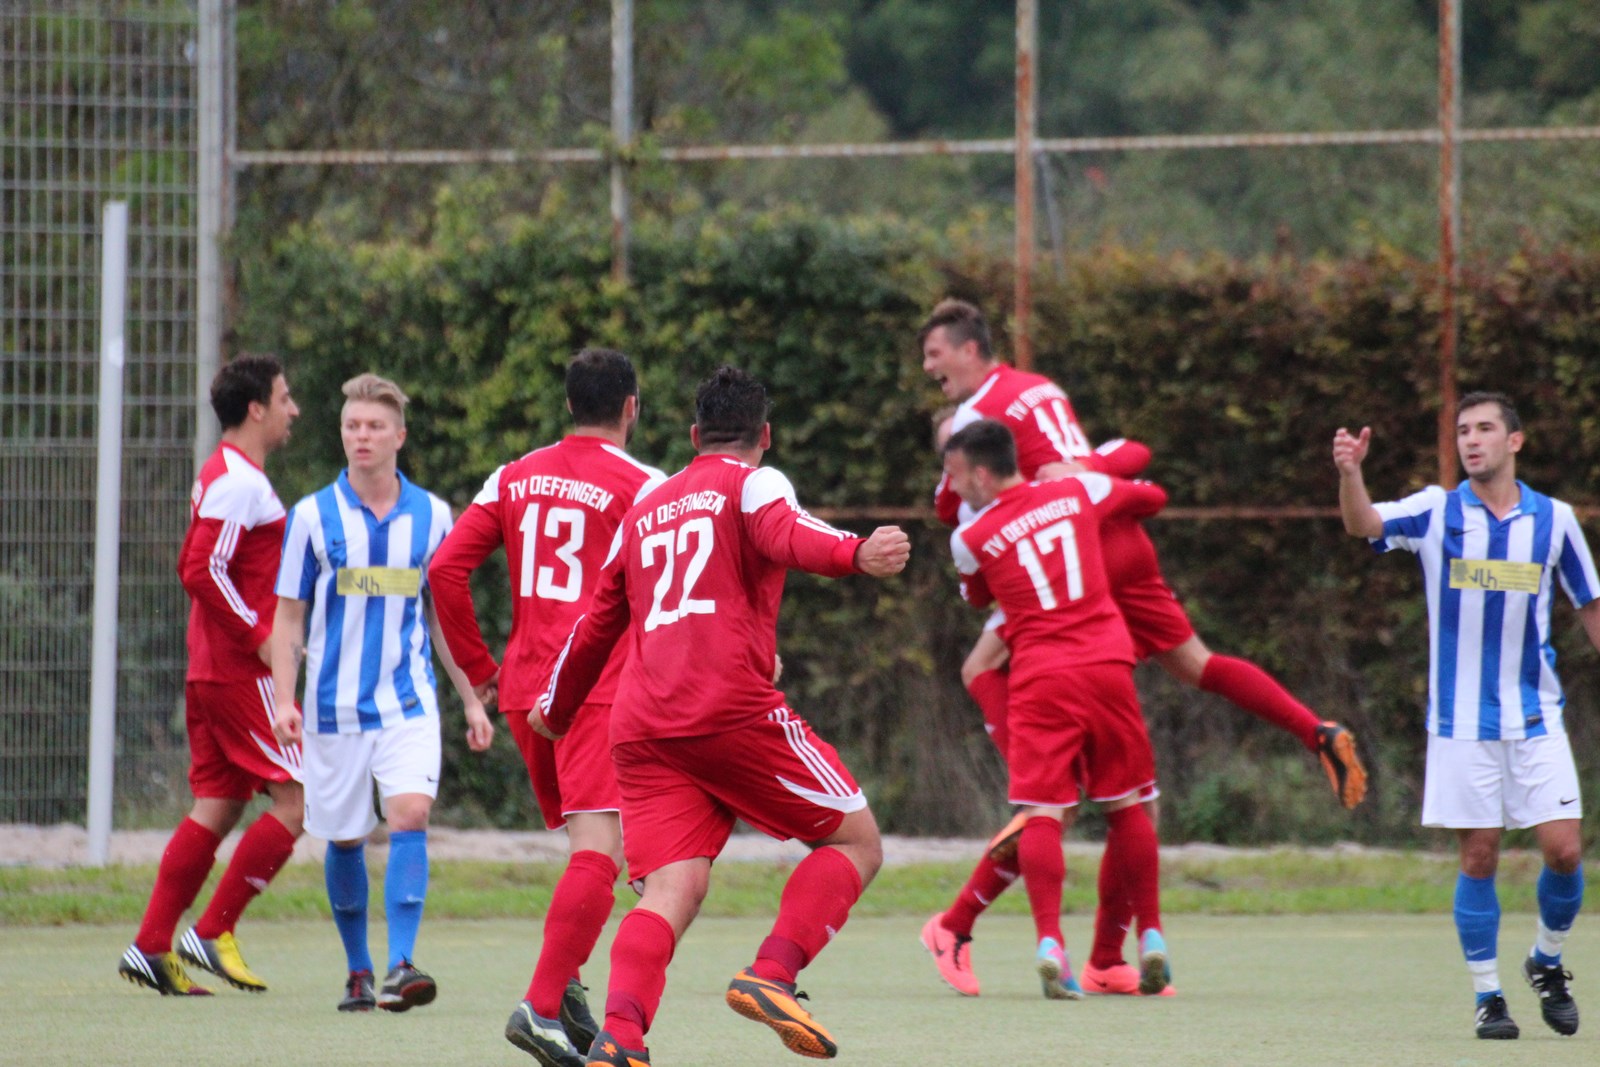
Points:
(98, 104)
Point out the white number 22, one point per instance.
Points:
(672, 545)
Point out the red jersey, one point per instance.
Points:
(556, 511)
(1041, 419)
(1036, 551)
(696, 584)
(228, 566)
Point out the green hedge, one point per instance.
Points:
(1235, 374)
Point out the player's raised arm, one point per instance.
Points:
(1361, 519)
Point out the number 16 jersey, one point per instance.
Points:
(695, 580)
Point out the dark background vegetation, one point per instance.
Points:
(1235, 375)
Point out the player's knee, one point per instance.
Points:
(1564, 857)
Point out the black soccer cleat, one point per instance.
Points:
(1556, 1005)
(405, 987)
(161, 972)
(576, 1017)
(606, 1050)
(1494, 1022)
(358, 995)
(543, 1039)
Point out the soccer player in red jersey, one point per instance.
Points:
(556, 511)
(700, 736)
(957, 354)
(228, 564)
(1033, 548)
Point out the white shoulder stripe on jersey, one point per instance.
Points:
(966, 562)
(763, 487)
(490, 493)
(644, 467)
(1098, 486)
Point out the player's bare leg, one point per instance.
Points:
(1253, 689)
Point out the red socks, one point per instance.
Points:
(815, 904)
(184, 865)
(1130, 883)
(1044, 868)
(578, 912)
(988, 881)
(1257, 692)
(639, 958)
(991, 690)
(263, 850)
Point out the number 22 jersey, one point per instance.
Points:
(695, 580)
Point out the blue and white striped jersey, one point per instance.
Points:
(369, 662)
(1492, 671)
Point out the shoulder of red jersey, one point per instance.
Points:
(232, 489)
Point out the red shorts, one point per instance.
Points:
(574, 774)
(1155, 618)
(1078, 722)
(681, 795)
(232, 752)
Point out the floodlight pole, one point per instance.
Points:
(212, 94)
(1027, 132)
(621, 131)
(1449, 230)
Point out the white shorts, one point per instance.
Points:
(341, 768)
(1512, 784)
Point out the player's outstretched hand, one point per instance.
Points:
(884, 553)
(1349, 452)
(286, 725)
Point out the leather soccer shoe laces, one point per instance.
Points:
(1494, 1022)
(161, 972)
(1336, 749)
(1556, 1005)
(576, 1017)
(358, 994)
(777, 1004)
(951, 955)
(606, 1050)
(219, 955)
(543, 1039)
(405, 987)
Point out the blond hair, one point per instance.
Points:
(372, 389)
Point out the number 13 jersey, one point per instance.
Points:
(695, 580)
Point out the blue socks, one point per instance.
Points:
(345, 872)
(1477, 914)
(1560, 897)
(404, 888)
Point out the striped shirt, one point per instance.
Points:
(1490, 585)
(369, 663)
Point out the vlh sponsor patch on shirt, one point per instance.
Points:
(379, 581)
(1495, 575)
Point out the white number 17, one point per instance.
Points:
(1030, 550)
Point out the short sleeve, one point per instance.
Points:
(1407, 523)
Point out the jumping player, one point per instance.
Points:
(1034, 549)
(355, 558)
(957, 354)
(556, 511)
(699, 735)
(1492, 551)
(228, 563)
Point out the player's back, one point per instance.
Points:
(228, 564)
(1035, 410)
(558, 509)
(705, 556)
(1036, 550)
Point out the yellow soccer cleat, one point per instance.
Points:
(161, 972)
(220, 956)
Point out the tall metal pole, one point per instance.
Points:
(212, 94)
(1027, 131)
(107, 528)
(1449, 230)
(621, 131)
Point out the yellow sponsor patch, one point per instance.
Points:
(1495, 575)
(379, 581)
